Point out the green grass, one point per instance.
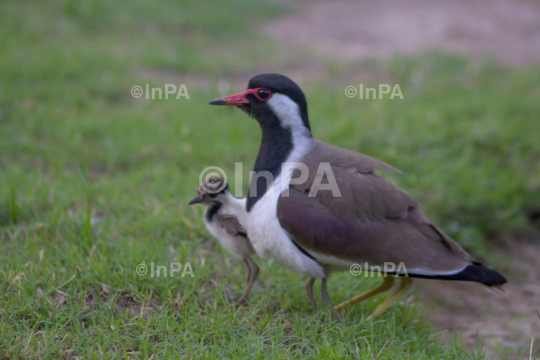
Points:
(75, 146)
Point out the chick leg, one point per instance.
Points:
(253, 272)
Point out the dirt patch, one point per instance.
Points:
(505, 322)
(508, 30)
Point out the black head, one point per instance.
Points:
(265, 96)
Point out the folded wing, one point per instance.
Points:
(373, 221)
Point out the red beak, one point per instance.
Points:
(235, 100)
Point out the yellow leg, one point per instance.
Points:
(406, 283)
(388, 282)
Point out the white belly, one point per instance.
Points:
(236, 245)
(270, 240)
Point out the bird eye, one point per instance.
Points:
(263, 94)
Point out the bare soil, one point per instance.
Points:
(507, 30)
(504, 322)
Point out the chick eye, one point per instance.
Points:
(263, 94)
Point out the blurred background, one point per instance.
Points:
(94, 180)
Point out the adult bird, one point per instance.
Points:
(223, 218)
(355, 217)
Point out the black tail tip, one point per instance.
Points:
(482, 274)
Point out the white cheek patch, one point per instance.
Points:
(287, 111)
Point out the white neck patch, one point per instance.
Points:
(288, 113)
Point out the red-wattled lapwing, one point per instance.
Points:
(313, 231)
(223, 217)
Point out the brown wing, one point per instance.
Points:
(231, 225)
(372, 221)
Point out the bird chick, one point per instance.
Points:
(224, 217)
